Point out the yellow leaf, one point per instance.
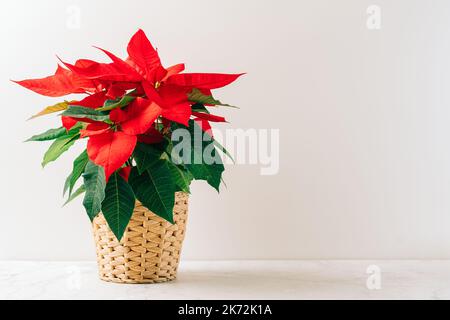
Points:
(51, 109)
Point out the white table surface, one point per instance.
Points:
(236, 280)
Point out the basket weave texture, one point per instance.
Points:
(149, 251)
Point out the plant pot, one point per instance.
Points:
(149, 251)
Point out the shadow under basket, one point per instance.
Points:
(149, 251)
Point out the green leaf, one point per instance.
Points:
(118, 205)
(51, 109)
(155, 189)
(53, 134)
(83, 112)
(78, 167)
(212, 173)
(198, 107)
(198, 97)
(49, 135)
(95, 183)
(77, 193)
(220, 147)
(181, 177)
(118, 103)
(58, 147)
(145, 155)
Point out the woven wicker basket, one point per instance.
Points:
(149, 250)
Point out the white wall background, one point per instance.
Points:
(364, 119)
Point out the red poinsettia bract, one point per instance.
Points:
(159, 93)
(111, 145)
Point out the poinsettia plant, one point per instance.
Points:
(128, 115)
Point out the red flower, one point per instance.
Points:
(158, 91)
(110, 146)
(92, 101)
(125, 172)
(167, 87)
(110, 150)
(202, 119)
(62, 83)
(151, 136)
(143, 71)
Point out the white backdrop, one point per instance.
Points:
(364, 119)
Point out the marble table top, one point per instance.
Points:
(236, 280)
